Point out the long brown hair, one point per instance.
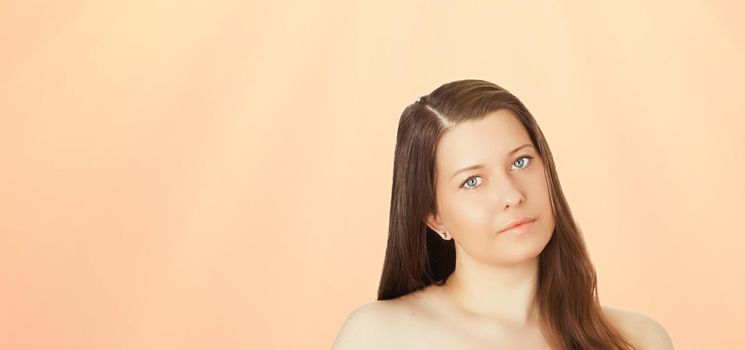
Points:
(415, 257)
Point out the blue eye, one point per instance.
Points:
(468, 181)
(472, 185)
(523, 157)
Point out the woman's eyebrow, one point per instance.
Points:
(478, 166)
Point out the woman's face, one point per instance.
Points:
(474, 204)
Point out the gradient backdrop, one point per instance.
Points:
(217, 174)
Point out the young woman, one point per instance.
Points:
(483, 252)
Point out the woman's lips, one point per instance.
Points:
(519, 229)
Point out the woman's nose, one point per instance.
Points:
(508, 194)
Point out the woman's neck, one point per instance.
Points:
(505, 295)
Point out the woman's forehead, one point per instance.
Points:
(492, 137)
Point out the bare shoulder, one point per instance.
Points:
(367, 327)
(643, 331)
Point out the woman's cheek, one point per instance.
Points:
(476, 218)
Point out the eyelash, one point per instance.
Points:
(470, 177)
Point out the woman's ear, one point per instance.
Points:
(434, 223)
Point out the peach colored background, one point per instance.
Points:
(216, 175)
